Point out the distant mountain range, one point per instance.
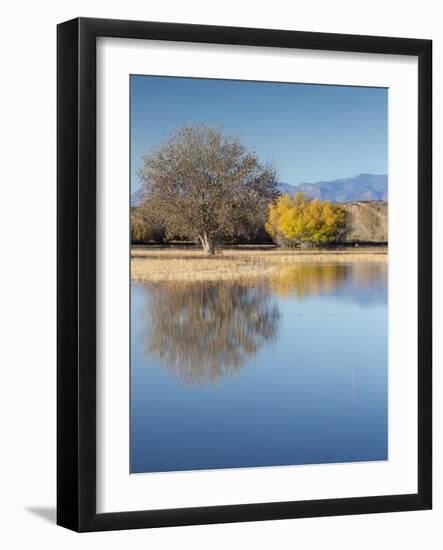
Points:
(364, 187)
(137, 198)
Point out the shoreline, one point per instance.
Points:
(179, 264)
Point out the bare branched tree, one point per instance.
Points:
(205, 186)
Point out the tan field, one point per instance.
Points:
(178, 264)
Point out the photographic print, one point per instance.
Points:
(237, 336)
(259, 274)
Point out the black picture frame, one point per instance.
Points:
(76, 279)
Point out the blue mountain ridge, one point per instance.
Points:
(364, 187)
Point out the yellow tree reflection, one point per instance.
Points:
(310, 280)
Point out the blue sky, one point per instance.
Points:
(311, 132)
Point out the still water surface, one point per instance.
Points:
(287, 370)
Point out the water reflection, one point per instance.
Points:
(309, 352)
(310, 279)
(359, 282)
(204, 331)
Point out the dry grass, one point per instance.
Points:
(160, 264)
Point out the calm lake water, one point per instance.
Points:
(288, 370)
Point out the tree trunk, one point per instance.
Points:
(308, 244)
(207, 244)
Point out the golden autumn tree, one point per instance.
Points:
(302, 221)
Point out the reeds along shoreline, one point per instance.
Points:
(176, 264)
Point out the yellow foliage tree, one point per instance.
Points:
(304, 221)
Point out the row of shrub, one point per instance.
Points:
(292, 222)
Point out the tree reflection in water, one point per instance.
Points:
(310, 280)
(203, 331)
(363, 282)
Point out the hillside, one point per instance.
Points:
(366, 222)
